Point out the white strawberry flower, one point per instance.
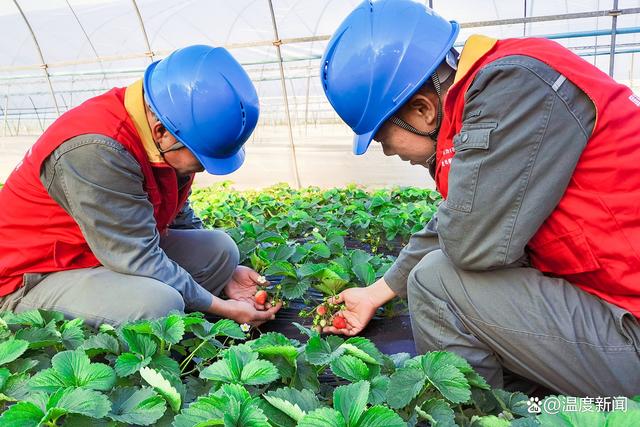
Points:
(245, 327)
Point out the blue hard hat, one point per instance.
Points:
(381, 54)
(204, 97)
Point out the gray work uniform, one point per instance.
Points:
(143, 275)
(470, 286)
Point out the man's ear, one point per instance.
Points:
(158, 130)
(424, 106)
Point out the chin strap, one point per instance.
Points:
(432, 134)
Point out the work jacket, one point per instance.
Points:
(36, 234)
(592, 237)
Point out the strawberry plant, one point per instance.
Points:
(185, 371)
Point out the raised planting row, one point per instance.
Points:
(380, 220)
(313, 239)
(185, 371)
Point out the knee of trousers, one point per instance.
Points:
(224, 256)
(429, 278)
(160, 302)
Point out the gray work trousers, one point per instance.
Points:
(100, 295)
(518, 320)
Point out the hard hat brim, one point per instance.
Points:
(361, 142)
(224, 166)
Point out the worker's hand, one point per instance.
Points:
(243, 286)
(243, 311)
(360, 306)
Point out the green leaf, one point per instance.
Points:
(40, 337)
(72, 333)
(206, 411)
(164, 364)
(219, 371)
(11, 349)
(491, 421)
(4, 375)
(358, 256)
(72, 368)
(139, 343)
(447, 357)
(169, 328)
(623, 419)
(259, 372)
(378, 392)
(16, 387)
(242, 409)
(351, 401)
(27, 318)
(101, 343)
(364, 349)
(22, 414)
(227, 328)
(404, 385)
(516, 402)
(280, 252)
(288, 352)
(448, 379)
(281, 268)
(306, 375)
(162, 386)
(321, 250)
(321, 352)
(294, 288)
(323, 417)
(290, 409)
(437, 412)
(294, 403)
(310, 269)
(350, 368)
(130, 363)
(365, 273)
(137, 406)
(81, 401)
(381, 416)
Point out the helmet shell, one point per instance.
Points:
(204, 97)
(381, 54)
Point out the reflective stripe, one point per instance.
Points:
(561, 79)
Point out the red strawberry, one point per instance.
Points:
(261, 296)
(321, 310)
(339, 322)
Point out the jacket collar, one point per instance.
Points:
(475, 48)
(134, 104)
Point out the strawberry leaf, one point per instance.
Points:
(137, 406)
(11, 349)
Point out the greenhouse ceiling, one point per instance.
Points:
(56, 53)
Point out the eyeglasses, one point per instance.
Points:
(174, 147)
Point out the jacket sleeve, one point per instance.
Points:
(96, 181)
(524, 129)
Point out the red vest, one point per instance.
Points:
(592, 238)
(36, 234)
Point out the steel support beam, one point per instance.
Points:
(277, 42)
(43, 64)
(149, 52)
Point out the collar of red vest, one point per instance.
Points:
(476, 47)
(134, 103)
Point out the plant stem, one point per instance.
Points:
(186, 361)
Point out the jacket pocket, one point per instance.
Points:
(470, 146)
(565, 254)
